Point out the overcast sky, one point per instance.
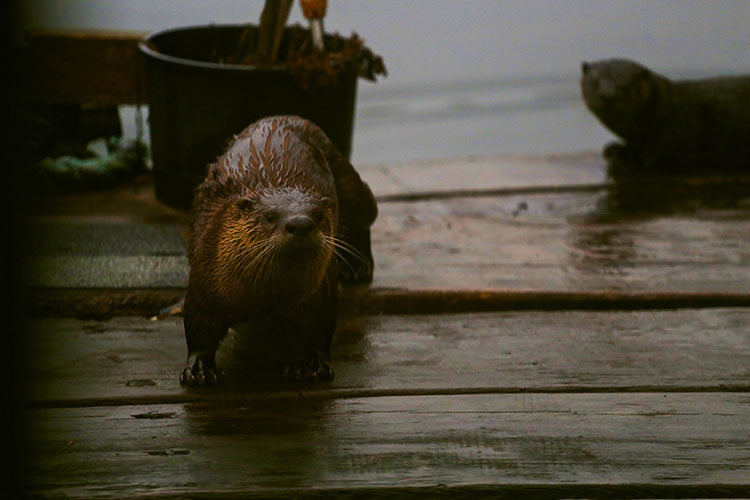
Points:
(439, 40)
(479, 77)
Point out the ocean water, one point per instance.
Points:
(469, 77)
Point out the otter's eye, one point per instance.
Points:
(270, 217)
(244, 204)
(317, 215)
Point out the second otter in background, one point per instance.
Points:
(669, 125)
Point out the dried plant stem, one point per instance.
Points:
(272, 23)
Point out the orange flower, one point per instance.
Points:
(313, 9)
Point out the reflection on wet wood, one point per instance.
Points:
(269, 447)
(551, 250)
(556, 242)
(134, 359)
(611, 359)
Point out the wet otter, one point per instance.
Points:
(280, 215)
(669, 125)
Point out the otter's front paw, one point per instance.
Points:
(200, 371)
(311, 368)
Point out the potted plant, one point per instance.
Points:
(206, 83)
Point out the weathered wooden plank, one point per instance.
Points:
(559, 242)
(102, 362)
(75, 253)
(499, 174)
(554, 242)
(447, 301)
(97, 303)
(686, 237)
(132, 201)
(265, 447)
(94, 303)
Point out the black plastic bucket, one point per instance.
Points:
(196, 106)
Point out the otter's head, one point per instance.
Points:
(618, 92)
(278, 242)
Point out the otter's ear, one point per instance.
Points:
(245, 204)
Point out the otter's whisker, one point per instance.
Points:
(341, 248)
(266, 263)
(258, 260)
(340, 244)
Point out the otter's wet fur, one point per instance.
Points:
(280, 217)
(669, 125)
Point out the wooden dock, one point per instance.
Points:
(533, 331)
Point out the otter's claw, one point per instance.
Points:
(311, 368)
(200, 373)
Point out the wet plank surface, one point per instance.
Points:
(539, 396)
(559, 242)
(548, 241)
(663, 236)
(132, 358)
(492, 174)
(614, 401)
(290, 446)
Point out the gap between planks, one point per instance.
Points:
(212, 395)
(674, 183)
(478, 193)
(473, 491)
(102, 303)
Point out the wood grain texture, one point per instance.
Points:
(257, 447)
(493, 174)
(91, 362)
(557, 242)
(540, 397)
(689, 239)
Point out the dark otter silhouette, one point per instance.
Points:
(668, 125)
(280, 215)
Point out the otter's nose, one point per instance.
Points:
(300, 226)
